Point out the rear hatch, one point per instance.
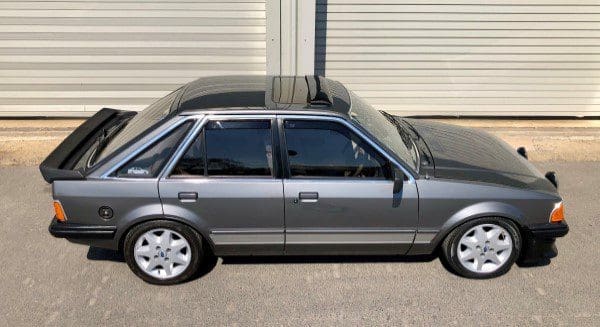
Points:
(64, 163)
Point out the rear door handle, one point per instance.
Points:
(188, 196)
(308, 197)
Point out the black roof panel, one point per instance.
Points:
(269, 92)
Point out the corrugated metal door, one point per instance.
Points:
(75, 57)
(493, 57)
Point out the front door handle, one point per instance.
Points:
(308, 197)
(188, 196)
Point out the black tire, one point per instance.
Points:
(191, 236)
(450, 244)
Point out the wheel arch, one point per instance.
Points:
(478, 211)
(142, 220)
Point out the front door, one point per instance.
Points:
(227, 183)
(339, 193)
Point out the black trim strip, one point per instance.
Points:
(549, 230)
(80, 231)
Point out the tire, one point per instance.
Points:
(467, 241)
(163, 252)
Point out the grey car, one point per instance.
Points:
(255, 165)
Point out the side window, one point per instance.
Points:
(229, 148)
(328, 149)
(150, 162)
(193, 162)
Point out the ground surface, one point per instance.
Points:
(48, 281)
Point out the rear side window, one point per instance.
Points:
(150, 162)
(229, 148)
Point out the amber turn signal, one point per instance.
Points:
(59, 213)
(558, 214)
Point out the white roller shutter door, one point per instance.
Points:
(493, 57)
(71, 58)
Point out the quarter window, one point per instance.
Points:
(150, 162)
(229, 148)
(328, 149)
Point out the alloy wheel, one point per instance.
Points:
(162, 253)
(484, 248)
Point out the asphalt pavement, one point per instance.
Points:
(48, 281)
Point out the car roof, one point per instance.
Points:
(294, 93)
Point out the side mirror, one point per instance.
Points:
(398, 180)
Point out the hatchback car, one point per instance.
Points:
(254, 165)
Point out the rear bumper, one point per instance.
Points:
(79, 231)
(539, 242)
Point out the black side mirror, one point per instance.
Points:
(398, 180)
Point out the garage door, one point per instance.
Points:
(75, 57)
(493, 57)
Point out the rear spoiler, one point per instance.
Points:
(59, 164)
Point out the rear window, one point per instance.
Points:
(140, 123)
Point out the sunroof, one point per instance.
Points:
(309, 90)
(293, 90)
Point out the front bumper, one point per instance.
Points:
(539, 242)
(79, 231)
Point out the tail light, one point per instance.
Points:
(59, 212)
(558, 214)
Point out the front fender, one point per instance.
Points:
(479, 210)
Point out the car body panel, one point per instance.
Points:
(130, 200)
(238, 215)
(445, 204)
(469, 154)
(349, 216)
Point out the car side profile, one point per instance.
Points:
(255, 165)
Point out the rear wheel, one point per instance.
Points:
(163, 252)
(482, 248)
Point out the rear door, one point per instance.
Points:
(339, 192)
(227, 181)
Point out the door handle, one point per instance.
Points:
(308, 197)
(188, 196)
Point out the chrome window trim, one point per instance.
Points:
(192, 136)
(146, 145)
(360, 134)
(202, 119)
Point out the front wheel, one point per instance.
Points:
(163, 252)
(482, 248)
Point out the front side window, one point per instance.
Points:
(229, 148)
(328, 149)
(150, 162)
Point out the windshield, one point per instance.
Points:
(138, 124)
(387, 132)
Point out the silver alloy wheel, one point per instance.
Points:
(484, 248)
(162, 253)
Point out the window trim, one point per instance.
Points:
(113, 168)
(362, 141)
(275, 173)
